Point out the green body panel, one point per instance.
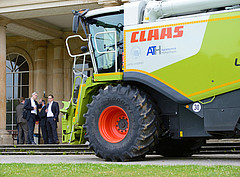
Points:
(108, 76)
(68, 110)
(73, 120)
(212, 70)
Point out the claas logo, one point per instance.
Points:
(157, 34)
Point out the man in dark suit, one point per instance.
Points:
(22, 122)
(43, 122)
(52, 119)
(32, 106)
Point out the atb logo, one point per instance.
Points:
(196, 107)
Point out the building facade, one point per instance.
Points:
(33, 55)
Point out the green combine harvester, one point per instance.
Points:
(166, 77)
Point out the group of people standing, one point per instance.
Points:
(29, 111)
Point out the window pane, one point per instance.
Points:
(16, 92)
(25, 78)
(15, 103)
(25, 91)
(15, 79)
(20, 61)
(9, 79)
(9, 105)
(9, 93)
(9, 118)
(14, 118)
(8, 65)
(24, 67)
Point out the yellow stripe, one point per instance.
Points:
(108, 74)
(124, 54)
(78, 102)
(213, 88)
(184, 23)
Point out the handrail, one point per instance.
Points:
(83, 54)
(74, 64)
(90, 47)
(68, 49)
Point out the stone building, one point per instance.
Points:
(33, 55)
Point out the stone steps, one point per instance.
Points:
(49, 149)
(221, 148)
(229, 147)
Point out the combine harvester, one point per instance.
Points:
(166, 77)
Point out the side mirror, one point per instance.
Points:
(75, 21)
(78, 15)
(84, 49)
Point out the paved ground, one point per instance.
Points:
(149, 160)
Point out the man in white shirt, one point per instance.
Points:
(32, 106)
(52, 119)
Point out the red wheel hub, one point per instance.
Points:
(113, 124)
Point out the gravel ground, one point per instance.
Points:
(207, 160)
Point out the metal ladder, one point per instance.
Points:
(79, 75)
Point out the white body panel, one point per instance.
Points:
(139, 54)
(133, 12)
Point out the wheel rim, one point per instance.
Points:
(113, 124)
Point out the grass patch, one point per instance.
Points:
(92, 170)
(22, 150)
(30, 152)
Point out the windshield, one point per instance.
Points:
(107, 26)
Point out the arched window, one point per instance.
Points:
(17, 85)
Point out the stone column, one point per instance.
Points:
(41, 67)
(4, 137)
(50, 56)
(58, 77)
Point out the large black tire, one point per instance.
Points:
(142, 130)
(179, 148)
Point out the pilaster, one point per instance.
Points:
(58, 69)
(2, 77)
(41, 67)
(58, 77)
(4, 137)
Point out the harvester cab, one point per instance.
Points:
(164, 78)
(105, 39)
